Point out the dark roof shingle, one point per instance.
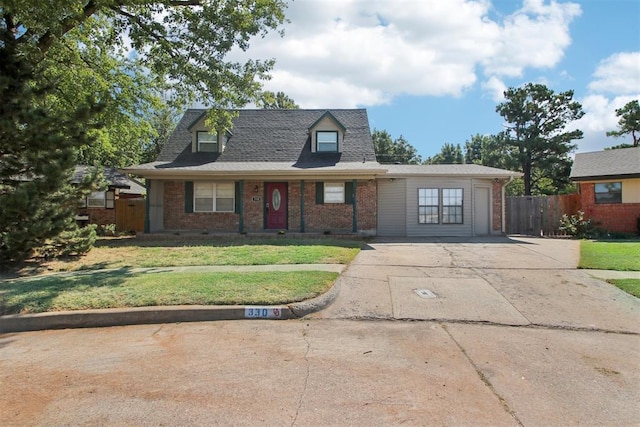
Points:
(274, 136)
(617, 163)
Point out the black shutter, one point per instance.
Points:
(319, 193)
(348, 193)
(188, 196)
(238, 197)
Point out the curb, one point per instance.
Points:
(165, 314)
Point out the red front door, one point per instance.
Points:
(276, 205)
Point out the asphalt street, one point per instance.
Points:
(509, 333)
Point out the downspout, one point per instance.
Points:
(354, 227)
(504, 203)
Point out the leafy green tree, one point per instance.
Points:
(535, 134)
(449, 154)
(276, 101)
(81, 80)
(390, 150)
(628, 123)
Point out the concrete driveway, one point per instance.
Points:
(514, 336)
(501, 281)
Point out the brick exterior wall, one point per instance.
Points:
(496, 221)
(99, 216)
(334, 218)
(175, 217)
(616, 217)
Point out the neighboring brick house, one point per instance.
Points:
(609, 183)
(308, 171)
(99, 207)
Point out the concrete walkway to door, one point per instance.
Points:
(495, 280)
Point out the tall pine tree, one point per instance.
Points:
(37, 160)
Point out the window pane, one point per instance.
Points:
(608, 192)
(334, 192)
(207, 142)
(224, 205)
(428, 206)
(327, 141)
(96, 199)
(452, 205)
(203, 204)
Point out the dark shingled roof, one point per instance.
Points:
(274, 136)
(617, 163)
(114, 178)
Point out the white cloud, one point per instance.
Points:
(496, 88)
(618, 74)
(616, 82)
(357, 52)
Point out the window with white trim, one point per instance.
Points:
(334, 192)
(110, 199)
(207, 142)
(213, 197)
(326, 141)
(428, 206)
(608, 192)
(452, 205)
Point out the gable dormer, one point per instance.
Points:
(327, 134)
(204, 140)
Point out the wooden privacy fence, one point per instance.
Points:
(539, 215)
(130, 215)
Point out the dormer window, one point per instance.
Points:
(326, 141)
(207, 142)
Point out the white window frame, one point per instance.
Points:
(204, 139)
(425, 214)
(321, 146)
(446, 206)
(218, 192)
(96, 199)
(334, 192)
(110, 199)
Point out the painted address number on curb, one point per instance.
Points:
(262, 313)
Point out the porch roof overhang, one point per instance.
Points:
(446, 170)
(256, 170)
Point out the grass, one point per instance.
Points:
(131, 253)
(119, 287)
(630, 286)
(613, 255)
(122, 288)
(610, 255)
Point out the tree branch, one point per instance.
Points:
(69, 23)
(185, 3)
(158, 37)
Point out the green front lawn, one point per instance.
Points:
(122, 288)
(613, 255)
(610, 255)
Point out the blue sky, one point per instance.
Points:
(434, 70)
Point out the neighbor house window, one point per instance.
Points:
(207, 142)
(214, 197)
(96, 199)
(452, 205)
(110, 199)
(327, 141)
(428, 206)
(334, 192)
(609, 192)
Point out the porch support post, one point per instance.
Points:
(241, 205)
(355, 206)
(147, 206)
(302, 224)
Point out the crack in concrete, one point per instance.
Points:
(485, 323)
(306, 377)
(484, 378)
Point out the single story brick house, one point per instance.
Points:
(310, 171)
(609, 183)
(99, 207)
